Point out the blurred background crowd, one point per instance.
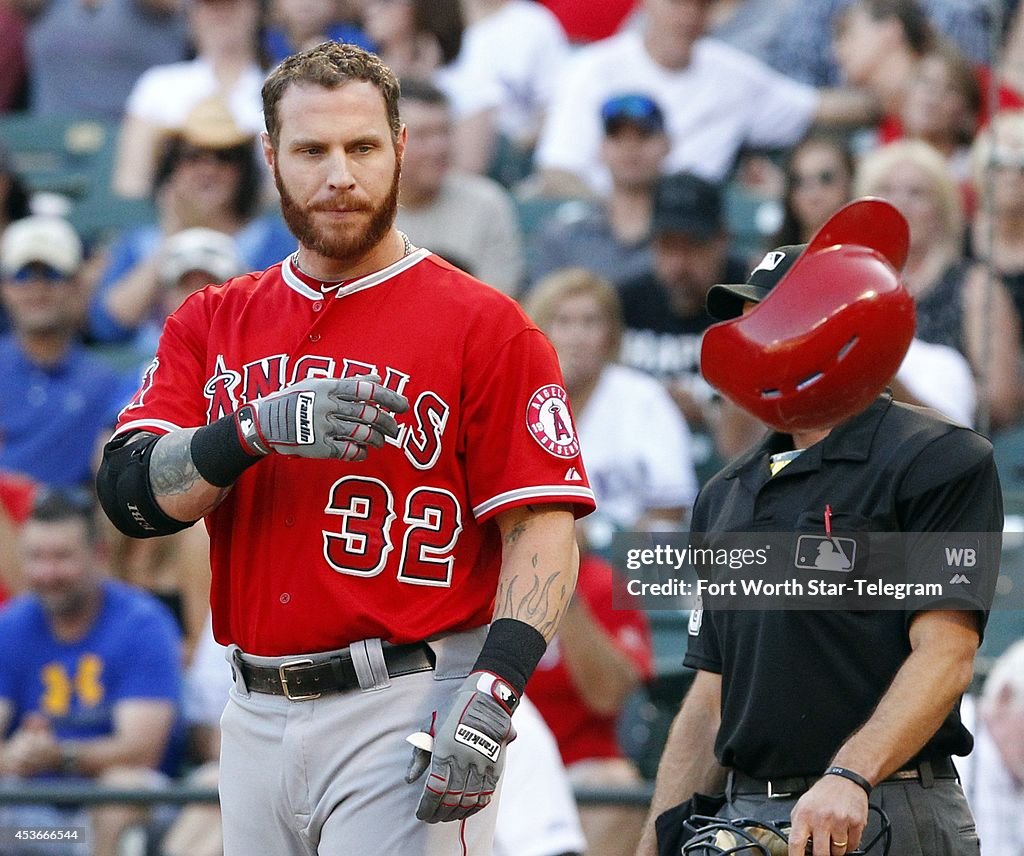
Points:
(603, 163)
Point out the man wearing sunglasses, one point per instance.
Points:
(613, 237)
(48, 381)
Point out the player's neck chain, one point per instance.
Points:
(325, 284)
(332, 284)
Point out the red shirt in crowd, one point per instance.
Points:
(587, 21)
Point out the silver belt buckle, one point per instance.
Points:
(282, 672)
(777, 795)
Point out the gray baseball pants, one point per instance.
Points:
(325, 777)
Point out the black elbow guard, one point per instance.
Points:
(123, 488)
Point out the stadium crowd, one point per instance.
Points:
(604, 163)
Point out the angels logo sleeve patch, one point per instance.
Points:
(550, 422)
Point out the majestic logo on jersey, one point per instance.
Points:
(550, 423)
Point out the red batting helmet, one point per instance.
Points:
(830, 334)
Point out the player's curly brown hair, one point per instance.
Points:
(330, 64)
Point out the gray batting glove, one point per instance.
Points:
(468, 750)
(322, 418)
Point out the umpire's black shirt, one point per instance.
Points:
(797, 684)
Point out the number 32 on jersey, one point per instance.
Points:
(364, 539)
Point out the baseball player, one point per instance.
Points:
(811, 713)
(388, 467)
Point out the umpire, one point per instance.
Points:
(811, 714)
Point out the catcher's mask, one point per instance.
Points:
(716, 836)
(831, 326)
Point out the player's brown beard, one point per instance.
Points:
(340, 246)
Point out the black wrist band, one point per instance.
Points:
(218, 453)
(856, 778)
(511, 651)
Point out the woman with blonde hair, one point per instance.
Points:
(959, 303)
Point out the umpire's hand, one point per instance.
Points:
(831, 815)
(469, 749)
(323, 418)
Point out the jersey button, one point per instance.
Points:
(314, 337)
(289, 521)
(285, 597)
(318, 306)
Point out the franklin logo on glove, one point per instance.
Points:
(304, 418)
(481, 742)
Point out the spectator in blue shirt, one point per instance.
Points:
(90, 684)
(56, 399)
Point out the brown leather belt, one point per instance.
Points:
(307, 678)
(925, 772)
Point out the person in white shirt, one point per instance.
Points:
(522, 46)
(716, 97)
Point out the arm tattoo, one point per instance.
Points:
(541, 605)
(514, 533)
(171, 470)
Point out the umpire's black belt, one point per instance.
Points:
(305, 678)
(739, 784)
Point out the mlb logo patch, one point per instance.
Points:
(822, 553)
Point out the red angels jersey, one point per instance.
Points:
(311, 555)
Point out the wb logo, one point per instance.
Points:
(961, 557)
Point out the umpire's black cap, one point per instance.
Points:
(726, 301)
